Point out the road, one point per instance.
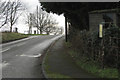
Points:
(23, 59)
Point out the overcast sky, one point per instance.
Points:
(31, 7)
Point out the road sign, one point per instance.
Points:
(100, 30)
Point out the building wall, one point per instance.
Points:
(94, 21)
(97, 18)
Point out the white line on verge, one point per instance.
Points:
(5, 50)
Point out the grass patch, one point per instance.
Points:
(68, 44)
(92, 66)
(7, 36)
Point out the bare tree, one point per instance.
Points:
(46, 23)
(40, 20)
(30, 21)
(43, 21)
(10, 12)
(15, 7)
(51, 24)
(4, 10)
(58, 30)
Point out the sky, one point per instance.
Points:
(30, 8)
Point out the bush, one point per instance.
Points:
(90, 45)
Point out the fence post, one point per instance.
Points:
(102, 44)
(117, 54)
(102, 52)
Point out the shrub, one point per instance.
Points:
(90, 45)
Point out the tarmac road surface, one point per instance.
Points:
(22, 59)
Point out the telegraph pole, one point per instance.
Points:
(37, 20)
(66, 37)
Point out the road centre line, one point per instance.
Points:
(38, 55)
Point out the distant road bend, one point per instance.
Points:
(22, 59)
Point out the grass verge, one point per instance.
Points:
(7, 36)
(92, 66)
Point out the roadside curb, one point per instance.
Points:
(46, 52)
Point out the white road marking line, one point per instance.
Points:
(37, 55)
(3, 64)
(11, 47)
(5, 50)
(16, 55)
(33, 36)
(31, 55)
(20, 44)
